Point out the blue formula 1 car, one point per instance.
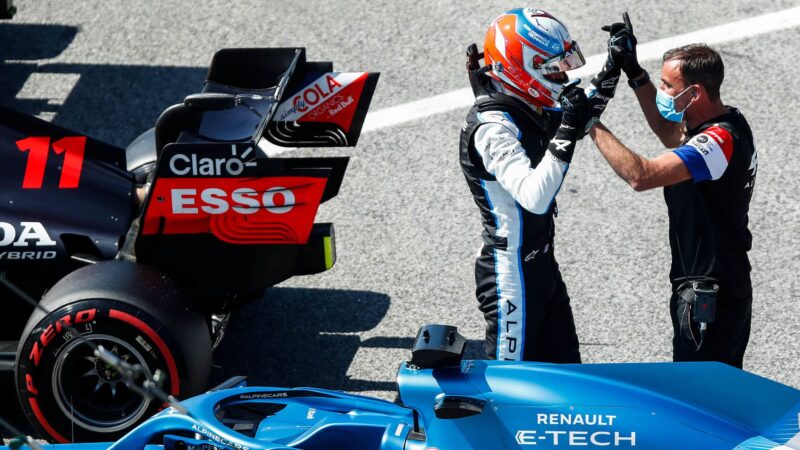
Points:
(448, 403)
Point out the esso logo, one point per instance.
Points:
(315, 93)
(181, 164)
(533, 92)
(276, 200)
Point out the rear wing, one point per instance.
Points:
(279, 96)
(225, 218)
(221, 215)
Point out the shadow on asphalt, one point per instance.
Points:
(300, 337)
(305, 337)
(113, 103)
(291, 337)
(34, 41)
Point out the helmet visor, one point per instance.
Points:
(570, 59)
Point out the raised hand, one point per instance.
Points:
(576, 112)
(622, 47)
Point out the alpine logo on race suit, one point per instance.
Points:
(226, 195)
(331, 98)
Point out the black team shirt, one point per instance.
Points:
(708, 223)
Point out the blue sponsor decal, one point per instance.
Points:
(546, 44)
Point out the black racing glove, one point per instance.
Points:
(575, 120)
(602, 88)
(598, 98)
(622, 46)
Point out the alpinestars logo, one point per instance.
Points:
(609, 83)
(531, 255)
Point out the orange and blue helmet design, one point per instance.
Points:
(529, 51)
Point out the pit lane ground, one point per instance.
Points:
(407, 228)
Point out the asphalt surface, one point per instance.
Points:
(407, 228)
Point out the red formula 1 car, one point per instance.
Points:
(146, 250)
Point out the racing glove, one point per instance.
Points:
(576, 119)
(601, 89)
(622, 46)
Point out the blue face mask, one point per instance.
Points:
(666, 105)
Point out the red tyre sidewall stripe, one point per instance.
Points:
(45, 424)
(162, 346)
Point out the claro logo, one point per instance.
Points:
(277, 200)
(181, 164)
(191, 164)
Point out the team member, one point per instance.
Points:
(515, 151)
(708, 181)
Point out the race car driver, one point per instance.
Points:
(515, 151)
(708, 182)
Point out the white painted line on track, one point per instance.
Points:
(463, 98)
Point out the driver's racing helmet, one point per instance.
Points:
(529, 51)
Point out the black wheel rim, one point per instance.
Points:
(92, 394)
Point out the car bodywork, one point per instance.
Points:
(67, 199)
(200, 205)
(494, 405)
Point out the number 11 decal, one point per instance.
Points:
(38, 148)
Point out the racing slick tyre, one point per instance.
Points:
(66, 392)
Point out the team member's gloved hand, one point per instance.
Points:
(576, 119)
(622, 46)
(610, 67)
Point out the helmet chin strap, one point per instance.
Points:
(569, 83)
(507, 89)
(525, 96)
